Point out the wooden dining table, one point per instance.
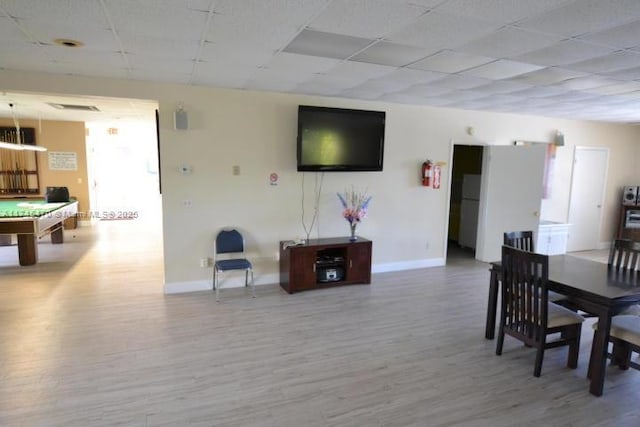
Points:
(590, 286)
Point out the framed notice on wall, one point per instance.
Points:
(63, 160)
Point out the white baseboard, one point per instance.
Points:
(206, 285)
(270, 279)
(408, 265)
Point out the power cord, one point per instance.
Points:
(316, 203)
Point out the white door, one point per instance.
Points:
(587, 193)
(510, 196)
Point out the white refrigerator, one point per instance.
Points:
(469, 211)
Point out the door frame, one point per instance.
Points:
(605, 174)
(452, 144)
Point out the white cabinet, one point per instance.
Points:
(552, 238)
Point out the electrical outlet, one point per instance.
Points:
(236, 170)
(187, 203)
(204, 262)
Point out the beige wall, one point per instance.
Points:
(60, 136)
(257, 131)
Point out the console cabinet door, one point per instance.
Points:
(359, 263)
(302, 269)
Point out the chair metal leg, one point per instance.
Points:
(216, 285)
(253, 286)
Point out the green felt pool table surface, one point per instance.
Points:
(18, 208)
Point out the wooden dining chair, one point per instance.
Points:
(624, 260)
(524, 240)
(625, 337)
(527, 314)
(519, 239)
(624, 255)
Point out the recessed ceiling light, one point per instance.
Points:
(68, 43)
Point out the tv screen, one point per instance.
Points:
(337, 139)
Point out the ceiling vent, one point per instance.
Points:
(74, 107)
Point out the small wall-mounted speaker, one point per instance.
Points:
(630, 195)
(180, 120)
(559, 139)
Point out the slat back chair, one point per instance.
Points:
(519, 239)
(527, 314)
(624, 255)
(524, 240)
(229, 243)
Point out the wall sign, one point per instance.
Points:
(63, 160)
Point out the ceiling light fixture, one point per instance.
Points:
(18, 145)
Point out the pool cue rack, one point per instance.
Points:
(18, 169)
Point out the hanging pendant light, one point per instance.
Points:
(18, 145)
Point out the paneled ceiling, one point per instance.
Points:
(576, 59)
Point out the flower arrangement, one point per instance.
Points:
(355, 205)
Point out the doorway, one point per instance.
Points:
(464, 201)
(587, 193)
(123, 169)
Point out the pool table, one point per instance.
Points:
(30, 219)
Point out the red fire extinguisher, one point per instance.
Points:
(426, 173)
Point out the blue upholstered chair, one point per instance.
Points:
(229, 255)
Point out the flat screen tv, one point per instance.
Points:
(338, 139)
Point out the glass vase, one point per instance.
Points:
(353, 236)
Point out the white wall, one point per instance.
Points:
(257, 132)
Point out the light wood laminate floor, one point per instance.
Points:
(87, 338)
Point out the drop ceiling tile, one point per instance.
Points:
(621, 37)
(501, 99)
(148, 63)
(234, 55)
(317, 87)
(380, 86)
(222, 74)
(349, 74)
(443, 31)
(448, 61)
(258, 23)
(464, 95)
(586, 16)
(328, 45)
(436, 101)
(361, 93)
(565, 52)
(501, 69)
(615, 89)
(458, 82)
(572, 96)
(71, 12)
(403, 98)
(509, 42)
(161, 75)
(502, 87)
(412, 77)
(608, 63)
(93, 38)
(547, 76)
(539, 92)
(398, 80)
(161, 48)
(271, 82)
(387, 53)
(503, 12)
(626, 74)
(365, 18)
(155, 19)
(291, 64)
(581, 83)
